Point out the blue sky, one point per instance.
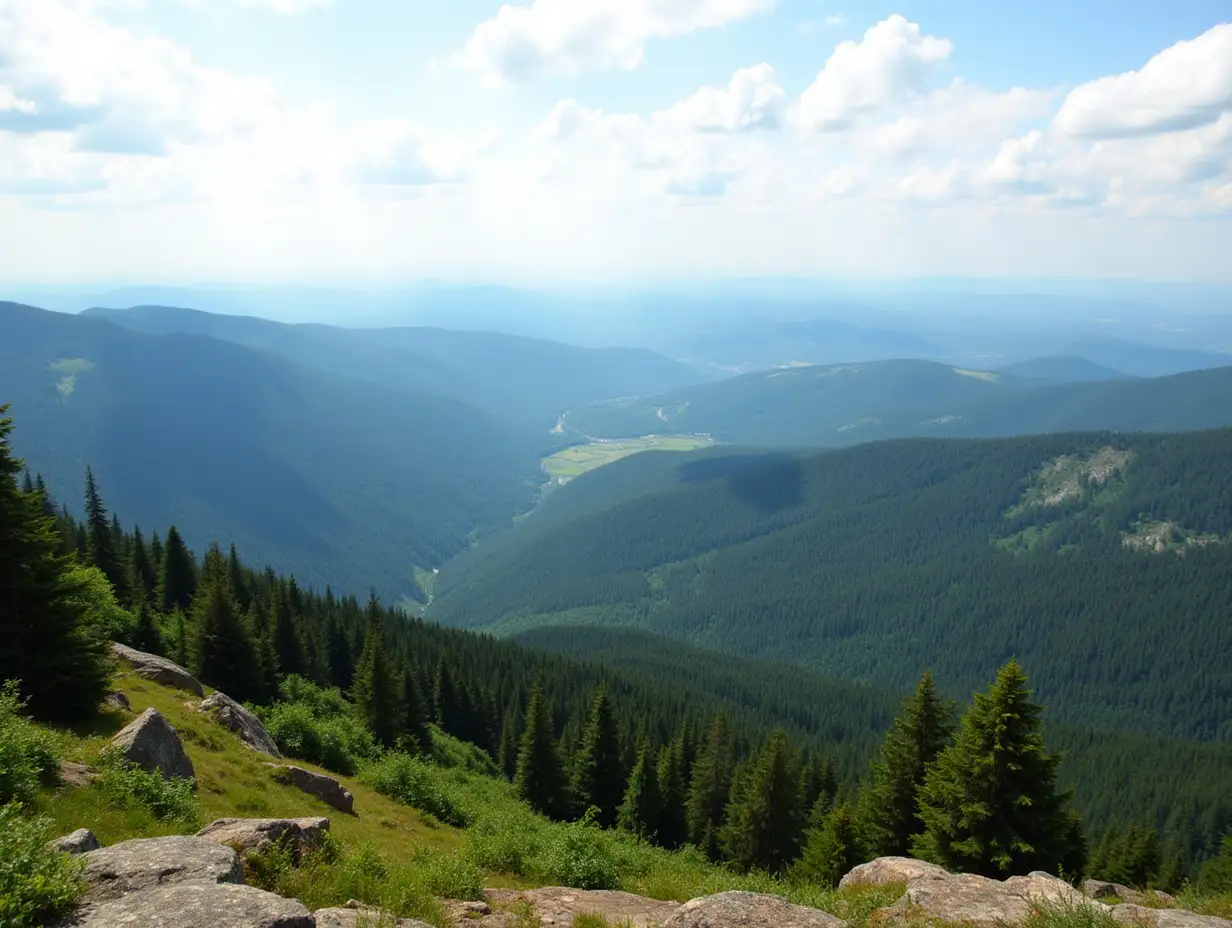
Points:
(544, 140)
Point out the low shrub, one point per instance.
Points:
(36, 883)
(583, 856)
(28, 757)
(419, 785)
(317, 725)
(127, 786)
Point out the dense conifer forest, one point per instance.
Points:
(754, 774)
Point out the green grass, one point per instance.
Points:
(564, 465)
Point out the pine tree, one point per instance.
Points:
(540, 776)
(763, 828)
(100, 539)
(445, 700)
(338, 651)
(235, 576)
(641, 808)
(673, 829)
(142, 578)
(177, 576)
(920, 733)
(180, 644)
(709, 789)
(507, 752)
(223, 654)
(146, 634)
(414, 715)
(375, 691)
(831, 850)
(287, 643)
(46, 641)
(990, 803)
(598, 771)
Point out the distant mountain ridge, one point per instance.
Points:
(1061, 369)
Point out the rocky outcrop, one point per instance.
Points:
(144, 863)
(327, 789)
(976, 901)
(150, 742)
(78, 776)
(256, 835)
(357, 915)
(1116, 892)
(157, 669)
(195, 905)
(1039, 885)
(739, 909)
(81, 841)
(558, 905)
(234, 717)
(118, 701)
(886, 870)
(1138, 916)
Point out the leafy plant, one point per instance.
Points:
(414, 783)
(127, 786)
(36, 882)
(27, 753)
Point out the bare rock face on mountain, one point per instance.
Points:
(144, 863)
(157, 669)
(327, 789)
(234, 717)
(357, 915)
(558, 905)
(1137, 916)
(81, 841)
(740, 909)
(195, 905)
(255, 835)
(886, 870)
(150, 742)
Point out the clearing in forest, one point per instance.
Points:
(563, 466)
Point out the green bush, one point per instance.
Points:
(27, 753)
(582, 855)
(414, 783)
(36, 883)
(127, 786)
(317, 725)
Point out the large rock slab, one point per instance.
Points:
(1102, 889)
(886, 870)
(81, 841)
(234, 717)
(739, 909)
(143, 863)
(358, 915)
(152, 743)
(78, 776)
(1139, 916)
(157, 669)
(974, 900)
(1039, 885)
(325, 788)
(196, 905)
(255, 835)
(559, 905)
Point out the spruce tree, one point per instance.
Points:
(414, 714)
(673, 828)
(287, 644)
(142, 578)
(146, 634)
(507, 752)
(177, 576)
(990, 802)
(710, 789)
(101, 549)
(920, 733)
(375, 691)
(763, 828)
(338, 651)
(445, 701)
(223, 653)
(599, 771)
(830, 850)
(641, 808)
(46, 641)
(540, 776)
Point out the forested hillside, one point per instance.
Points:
(846, 404)
(873, 563)
(334, 479)
(525, 381)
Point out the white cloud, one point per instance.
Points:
(568, 37)
(892, 63)
(1183, 87)
(753, 99)
(287, 6)
(11, 103)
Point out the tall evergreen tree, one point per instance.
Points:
(414, 714)
(598, 768)
(177, 576)
(146, 634)
(142, 578)
(507, 752)
(287, 644)
(338, 650)
(673, 828)
(100, 539)
(710, 788)
(375, 691)
(446, 706)
(223, 654)
(46, 640)
(540, 776)
(920, 733)
(641, 808)
(990, 802)
(763, 827)
(830, 850)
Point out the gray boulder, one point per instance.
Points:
(150, 742)
(254, 835)
(117, 700)
(739, 909)
(976, 901)
(157, 669)
(1138, 916)
(561, 905)
(81, 841)
(143, 863)
(196, 905)
(357, 915)
(327, 789)
(1039, 885)
(78, 776)
(234, 717)
(1101, 889)
(885, 870)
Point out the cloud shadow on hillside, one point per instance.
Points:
(765, 482)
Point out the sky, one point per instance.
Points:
(573, 141)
